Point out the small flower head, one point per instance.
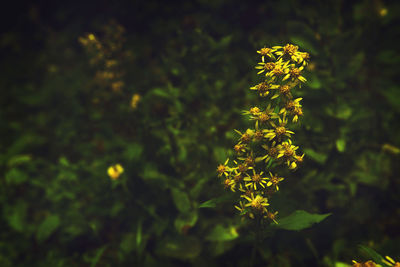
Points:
(272, 216)
(255, 179)
(265, 52)
(238, 177)
(258, 135)
(229, 183)
(262, 88)
(115, 171)
(135, 101)
(254, 111)
(279, 130)
(257, 202)
(242, 168)
(290, 49)
(223, 169)
(274, 181)
(284, 90)
(239, 148)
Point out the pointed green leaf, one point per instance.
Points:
(212, 203)
(47, 227)
(97, 257)
(221, 233)
(16, 176)
(341, 145)
(375, 256)
(299, 220)
(181, 200)
(180, 247)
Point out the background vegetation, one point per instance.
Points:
(63, 123)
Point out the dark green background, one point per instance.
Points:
(193, 63)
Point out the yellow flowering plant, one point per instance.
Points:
(267, 146)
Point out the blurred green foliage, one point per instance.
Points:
(192, 64)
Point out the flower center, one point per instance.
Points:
(258, 135)
(295, 72)
(289, 152)
(278, 70)
(221, 169)
(284, 89)
(245, 138)
(269, 66)
(254, 110)
(263, 117)
(273, 152)
(262, 87)
(256, 178)
(280, 130)
(265, 51)
(290, 49)
(242, 168)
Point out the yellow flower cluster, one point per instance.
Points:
(269, 144)
(388, 261)
(106, 54)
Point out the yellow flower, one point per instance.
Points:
(279, 130)
(255, 179)
(272, 152)
(263, 88)
(265, 52)
(245, 137)
(223, 169)
(135, 101)
(389, 261)
(274, 180)
(287, 151)
(115, 171)
(257, 202)
(272, 216)
(365, 264)
(117, 86)
(229, 183)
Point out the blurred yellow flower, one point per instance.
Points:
(115, 171)
(135, 101)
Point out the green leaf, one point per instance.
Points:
(47, 227)
(341, 145)
(392, 95)
(128, 243)
(151, 175)
(63, 161)
(181, 200)
(139, 234)
(186, 220)
(133, 151)
(97, 257)
(369, 252)
(208, 204)
(304, 44)
(16, 176)
(16, 215)
(221, 233)
(18, 160)
(160, 92)
(180, 247)
(299, 220)
(220, 154)
(212, 203)
(314, 82)
(316, 156)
